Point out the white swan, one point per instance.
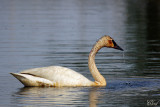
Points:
(61, 76)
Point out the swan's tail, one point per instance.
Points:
(18, 76)
(29, 80)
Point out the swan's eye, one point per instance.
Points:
(110, 42)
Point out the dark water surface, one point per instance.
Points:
(38, 33)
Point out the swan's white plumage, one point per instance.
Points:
(54, 76)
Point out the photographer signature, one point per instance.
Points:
(152, 102)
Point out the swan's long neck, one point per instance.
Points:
(99, 79)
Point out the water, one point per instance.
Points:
(55, 32)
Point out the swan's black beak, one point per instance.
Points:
(116, 46)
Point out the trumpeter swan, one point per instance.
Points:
(62, 76)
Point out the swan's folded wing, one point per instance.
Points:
(43, 72)
(60, 75)
(29, 80)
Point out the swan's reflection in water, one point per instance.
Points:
(71, 96)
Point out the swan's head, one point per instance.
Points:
(111, 43)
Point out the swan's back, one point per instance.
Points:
(60, 76)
